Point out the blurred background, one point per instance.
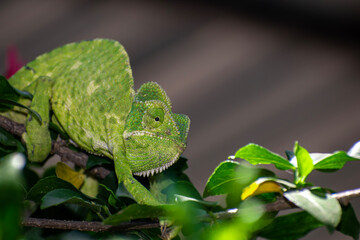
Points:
(268, 72)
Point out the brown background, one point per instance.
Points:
(268, 72)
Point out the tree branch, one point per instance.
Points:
(59, 147)
(281, 204)
(12, 127)
(87, 226)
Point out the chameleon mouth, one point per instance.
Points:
(159, 169)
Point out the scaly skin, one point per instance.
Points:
(90, 88)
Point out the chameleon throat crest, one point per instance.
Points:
(159, 169)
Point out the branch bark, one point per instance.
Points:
(59, 147)
(87, 226)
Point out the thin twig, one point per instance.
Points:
(59, 147)
(283, 204)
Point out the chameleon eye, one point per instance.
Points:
(153, 118)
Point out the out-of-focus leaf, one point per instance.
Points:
(181, 188)
(145, 234)
(49, 172)
(304, 163)
(11, 195)
(9, 144)
(349, 224)
(33, 234)
(61, 196)
(65, 173)
(250, 218)
(160, 183)
(256, 154)
(290, 227)
(355, 150)
(180, 198)
(45, 185)
(31, 177)
(137, 211)
(326, 209)
(228, 177)
(90, 187)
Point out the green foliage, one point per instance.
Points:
(9, 144)
(324, 208)
(11, 195)
(256, 154)
(23, 190)
(291, 226)
(10, 96)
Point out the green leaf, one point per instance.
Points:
(9, 144)
(136, 211)
(31, 177)
(159, 183)
(11, 195)
(46, 185)
(349, 224)
(181, 188)
(96, 161)
(107, 195)
(10, 96)
(256, 154)
(304, 163)
(324, 208)
(228, 177)
(61, 196)
(9, 92)
(290, 227)
(331, 161)
(355, 150)
(181, 198)
(8, 102)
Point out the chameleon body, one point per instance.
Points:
(88, 86)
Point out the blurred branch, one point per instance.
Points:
(12, 127)
(59, 147)
(87, 226)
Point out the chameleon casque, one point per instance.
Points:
(88, 88)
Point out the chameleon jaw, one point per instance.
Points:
(159, 169)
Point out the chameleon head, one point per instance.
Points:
(154, 136)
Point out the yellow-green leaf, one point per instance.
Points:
(260, 186)
(65, 173)
(90, 187)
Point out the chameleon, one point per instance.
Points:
(86, 88)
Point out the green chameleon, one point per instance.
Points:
(88, 86)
